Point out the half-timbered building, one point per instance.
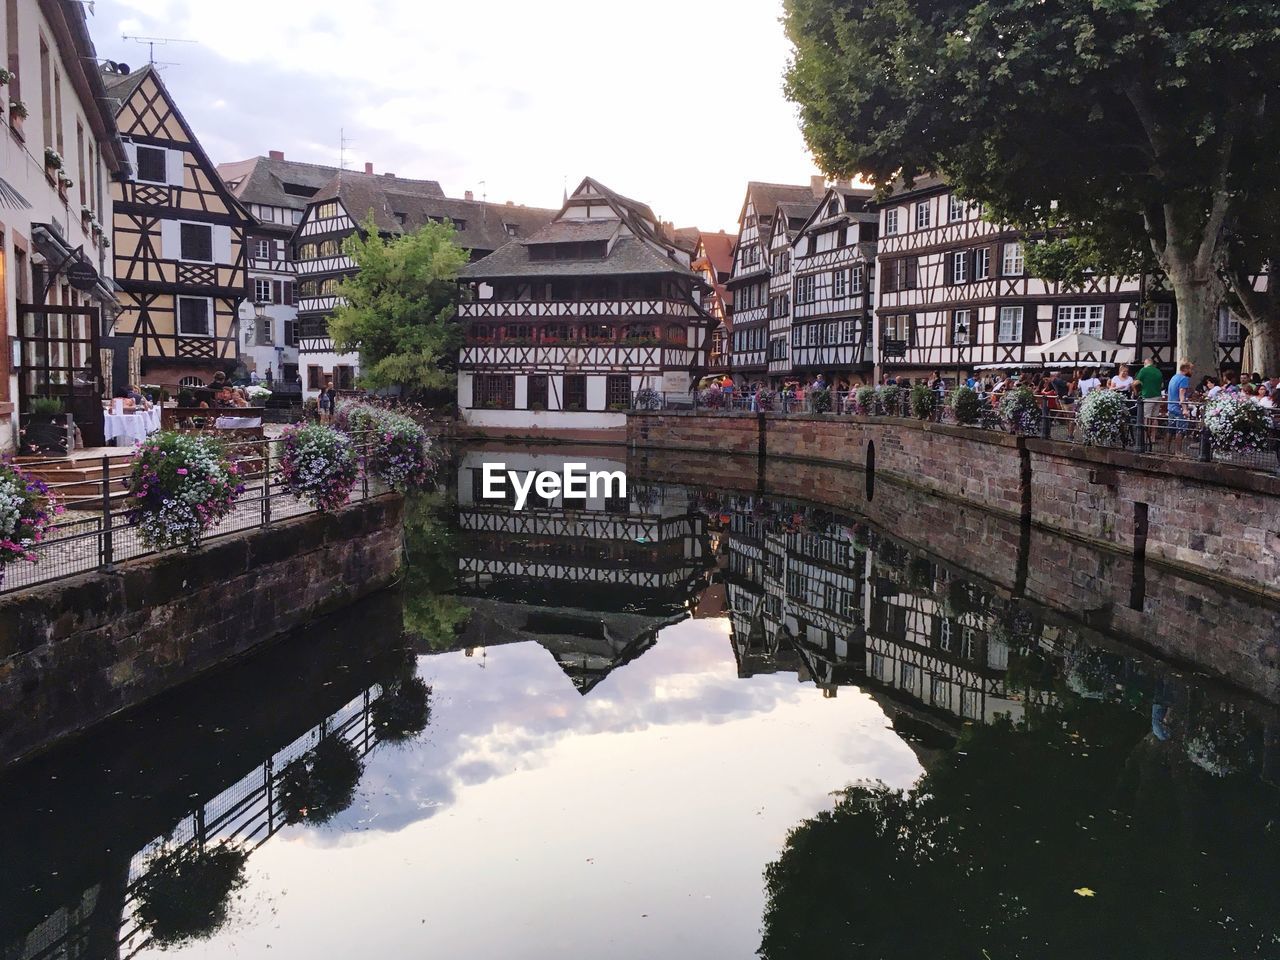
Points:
(57, 301)
(833, 270)
(953, 293)
(568, 323)
(714, 261)
(178, 239)
(394, 206)
(787, 220)
(275, 192)
(753, 269)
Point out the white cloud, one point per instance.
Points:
(674, 103)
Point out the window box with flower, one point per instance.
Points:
(26, 510)
(52, 159)
(180, 487)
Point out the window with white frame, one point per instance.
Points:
(839, 284)
(1229, 329)
(262, 249)
(830, 333)
(962, 327)
(1010, 330)
(153, 165)
(1158, 323)
(1011, 264)
(804, 289)
(960, 266)
(1079, 319)
(797, 336)
(924, 215)
(982, 264)
(956, 209)
(891, 223)
(897, 327)
(848, 331)
(262, 291)
(812, 335)
(855, 280)
(195, 316)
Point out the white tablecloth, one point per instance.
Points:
(127, 429)
(237, 423)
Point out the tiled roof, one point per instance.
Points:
(263, 179)
(120, 86)
(719, 250)
(765, 197)
(629, 255)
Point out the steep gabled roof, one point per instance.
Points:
(852, 196)
(718, 249)
(263, 180)
(765, 197)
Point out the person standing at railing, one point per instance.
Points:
(1180, 396)
(1122, 382)
(1150, 384)
(1089, 382)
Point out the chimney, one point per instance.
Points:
(468, 195)
(511, 203)
(276, 154)
(389, 175)
(818, 185)
(368, 167)
(845, 184)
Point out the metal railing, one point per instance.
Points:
(95, 532)
(1151, 428)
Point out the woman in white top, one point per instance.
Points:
(1122, 382)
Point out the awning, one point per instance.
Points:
(68, 260)
(11, 198)
(1010, 366)
(1081, 348)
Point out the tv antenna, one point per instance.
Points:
(152, 43)
(343, 143)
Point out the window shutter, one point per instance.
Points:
(1111, 321)
(890, 276)
(288, 293)
(1030, 325)
(913, 265)
(911, 329)
(173, 166)
(993, 261)
(948, 268)
(277, 295)
(972, 257)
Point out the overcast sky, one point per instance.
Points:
(677, 104)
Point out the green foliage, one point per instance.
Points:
(820, 401)
(964, 403)
(401, 306)
(431, 612)
(184, 892)
(46, 407)
(321, 783)
(924, 402)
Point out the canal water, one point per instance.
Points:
(688, 722)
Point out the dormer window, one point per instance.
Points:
(513, 230)
(833, 208)
(400, 217)
(582, 250)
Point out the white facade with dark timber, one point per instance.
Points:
(568, 323)
(953, 293)
(833, 269)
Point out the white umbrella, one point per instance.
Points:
(1077, 348)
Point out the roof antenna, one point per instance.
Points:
(151, 43)
(343, 143)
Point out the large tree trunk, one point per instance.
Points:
(1199, 294)
(1260, 313)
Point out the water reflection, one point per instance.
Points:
(590, 728)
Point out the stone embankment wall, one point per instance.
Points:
(76, 651)
(1207, 518)
(1188, 618)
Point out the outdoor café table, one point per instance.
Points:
(127, 427)
(238, 423)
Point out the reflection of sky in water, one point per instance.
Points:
(529, 821)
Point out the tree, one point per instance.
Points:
(1132, 123)
(401, 305)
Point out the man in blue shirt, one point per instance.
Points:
(1179, 394)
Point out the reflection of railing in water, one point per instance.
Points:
(247, 813)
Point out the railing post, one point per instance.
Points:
(1046, 425)
(364, 470)
(1140, 426)
(1206, 448)
(108, 547)
(266, 483)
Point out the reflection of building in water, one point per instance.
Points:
(645, 549)
(591, 581)
(807, 595)
(102, 922)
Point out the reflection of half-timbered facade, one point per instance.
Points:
(395, 206)
(568, 323)
(753, 268)
(953, 293)
(178, 238)
(834, 274)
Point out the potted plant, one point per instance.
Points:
(180, 487)
(1020, 410)
(184, 892)
(26, 509)
(319, 465)
(924, 402)
(1236, 425)
(52, 159)
(1103, 417)
(6, 77)
(17, 113)
(47, 428)
(964, 405)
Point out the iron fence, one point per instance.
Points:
(1151, 429)
(95, 531)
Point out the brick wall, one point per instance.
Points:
(1207, 518)
(78, 650)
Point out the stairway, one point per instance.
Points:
(77, 479)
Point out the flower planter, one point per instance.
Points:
(48, 435)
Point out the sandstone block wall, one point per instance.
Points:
(79, 650)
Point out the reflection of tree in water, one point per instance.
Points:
(321, 783)
(185, 892)
(431, 613)
(1078, 834)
